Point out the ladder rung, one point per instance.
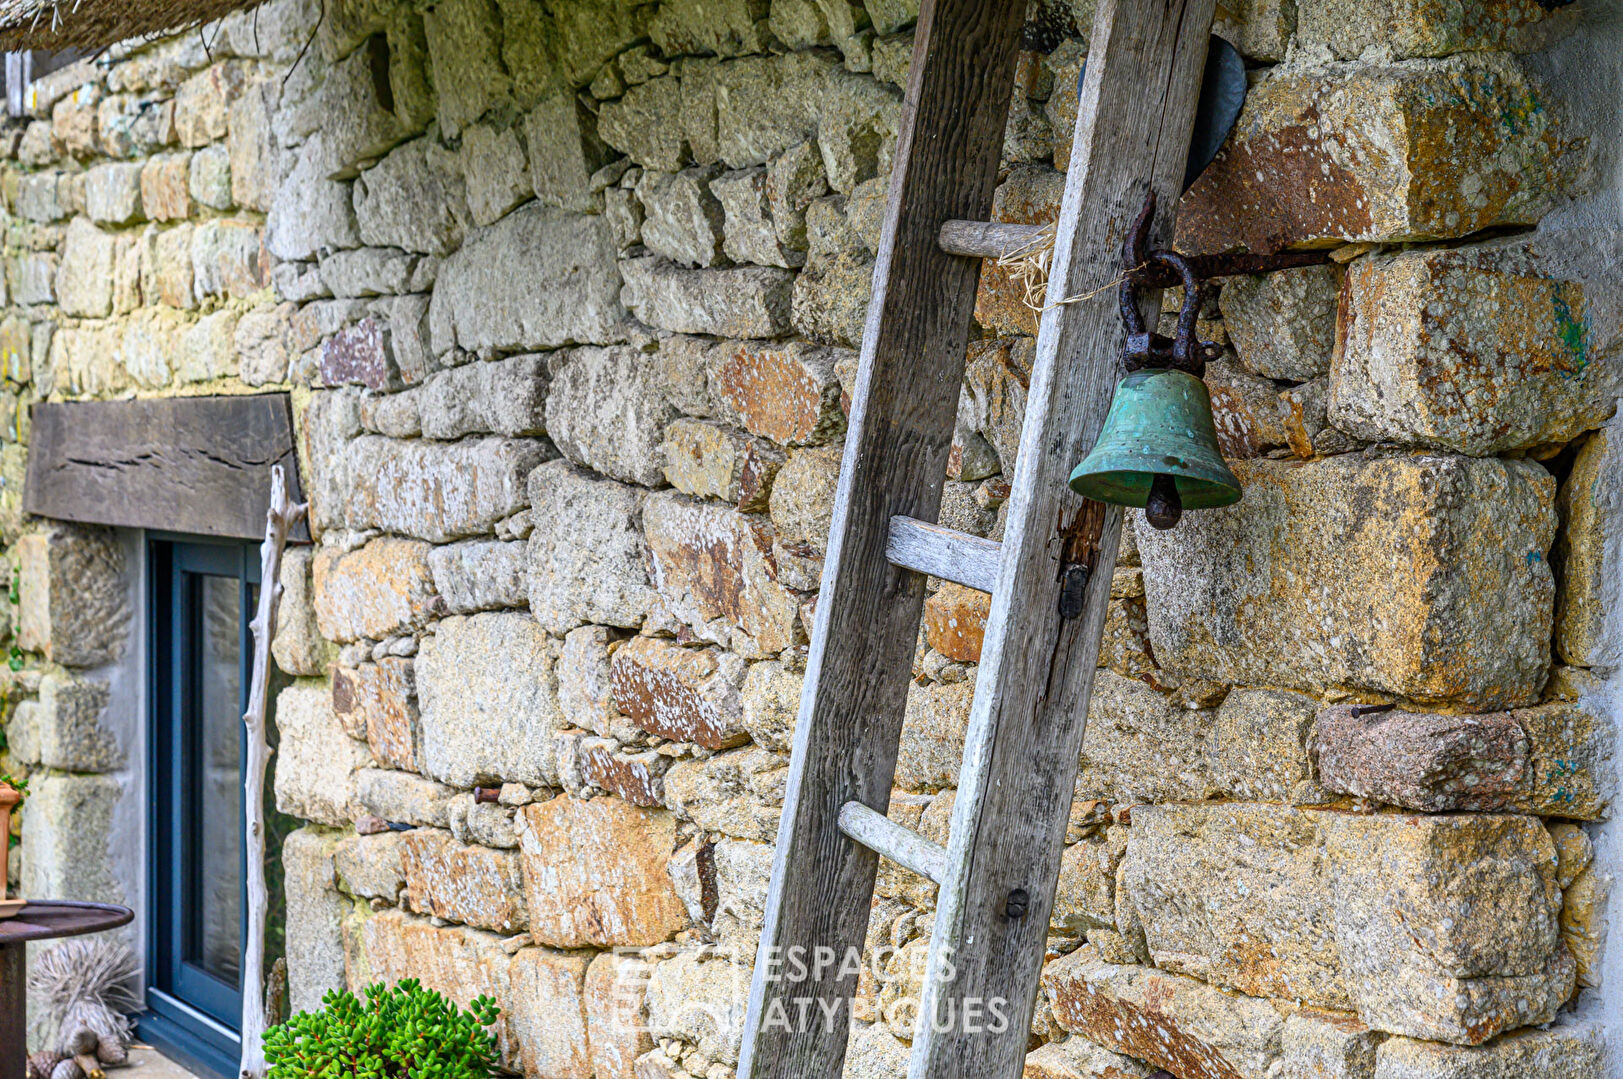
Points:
(901, 845)
(992, 239)
(941, 552)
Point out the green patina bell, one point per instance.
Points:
(1158, 449)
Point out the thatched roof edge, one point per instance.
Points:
(95, 24)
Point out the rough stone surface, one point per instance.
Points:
(1307, 584)
(565, 150)
(594, 873)
(1142, 745)
(707, 460)
(438, 493)
(1236, 896)
(74, 605)
(375, 592)
(636, 778)
(1447, 926)
(1408, 28)
(315, 947)
(67, 829)
(368, 866)
(547, 1014)
(1078, 1058)
(473, 885)
(607, 411)
(1086, 896)
(495, 172)
(585, 691)
(684, 694)
(955, 621)
(316, 761)
(113, 193)
(1472, 349)
(738, 793)
(1574, 1050)
(458, 962)
(1326, 1045)
(490, 391)
(504, 397)
(1432, 763)
(310, 212)
(683, 219)
(413, 199)
(1283, 324)
(1587, 578)
(74, 730)
(1168, 1020)
(593, 570)
(786, 392)
(464, 47)
(615, 1015)
(480, 575)
(1423, 150)
(1571, 770)
(569, 293)
(933, 727)
(404, 797)
(378, 702)
(745, 301)
(1260, 743)
(84, 282)
(489, 701)
(715, 569)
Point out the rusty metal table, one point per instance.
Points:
(38, 921)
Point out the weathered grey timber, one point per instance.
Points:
(896, 842)
(941, 552)
(1031, 696)
(184, 464)
(857, 673)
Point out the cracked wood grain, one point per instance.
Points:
(199, 465)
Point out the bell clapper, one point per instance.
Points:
(1163, 509)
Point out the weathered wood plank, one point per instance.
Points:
(199, 465)
(857, 673)
(894, 841)
(942, 552)
(1031, 697)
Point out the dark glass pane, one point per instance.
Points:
(217, 902)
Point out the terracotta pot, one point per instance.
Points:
(9, 796)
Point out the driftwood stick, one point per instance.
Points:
(280, 518)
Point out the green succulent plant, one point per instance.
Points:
(403, 1030)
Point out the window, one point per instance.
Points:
(202, 601)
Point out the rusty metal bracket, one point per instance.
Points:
(1144, 268)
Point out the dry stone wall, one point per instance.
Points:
(567, 297)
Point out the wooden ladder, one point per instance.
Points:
(997, 875)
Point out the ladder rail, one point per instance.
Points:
(900, 430)
(998, 872)
(1036, 673)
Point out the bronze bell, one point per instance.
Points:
(1158, 448)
